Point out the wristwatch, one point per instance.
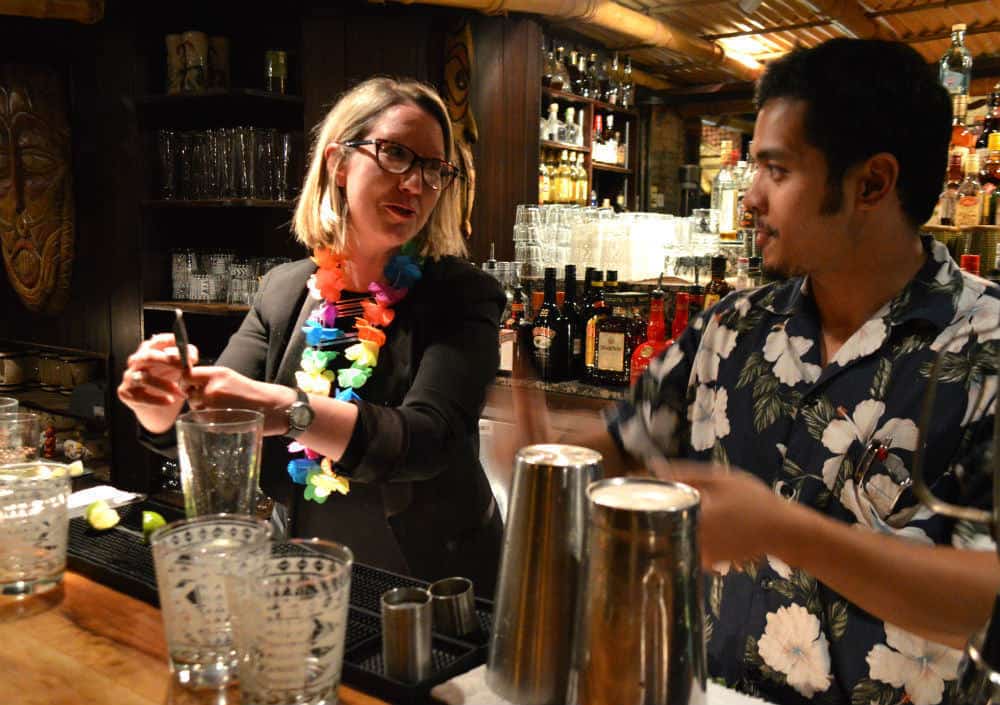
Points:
(300, 415)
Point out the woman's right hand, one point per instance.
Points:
(153, 383)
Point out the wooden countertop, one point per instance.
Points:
(96, 646)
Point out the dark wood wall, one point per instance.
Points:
(332, 46)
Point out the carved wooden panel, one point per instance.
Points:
(36, 187)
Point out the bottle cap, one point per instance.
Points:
(958, 28)
(719, 266)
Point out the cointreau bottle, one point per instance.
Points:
(656, 336)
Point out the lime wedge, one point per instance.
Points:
(100, 516)
(151, 521)
(75, 468)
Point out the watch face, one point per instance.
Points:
(300, 416)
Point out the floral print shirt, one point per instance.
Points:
(744, 385)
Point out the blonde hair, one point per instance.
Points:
(321, 215)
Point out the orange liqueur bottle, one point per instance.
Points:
(656, 336)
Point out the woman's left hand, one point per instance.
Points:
(220, 388)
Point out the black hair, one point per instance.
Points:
(865, 96)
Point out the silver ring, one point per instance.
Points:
(137, 377)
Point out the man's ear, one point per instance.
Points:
(877, 179)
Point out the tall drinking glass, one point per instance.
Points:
(34, 527)
(219, 453)
(8, 405)
(289, 625)
(192, 558)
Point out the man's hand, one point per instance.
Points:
(741, 518)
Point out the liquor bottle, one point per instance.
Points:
(994, 274)
(627, 91)
(569, 136)
(544, 182)
(581, 82)
(656, 335)
(949, 197)
(582, 186)
(593, 311)
(968, 209)
(742, 273)
(746, 222)
(565, 179)
(991, 123)
(989, 181)
(574, 314)
(572, 72)
(724, 192)
(619, 149)
(514, 339)
(593, 77)
(548, 65)
(612, 338)
(718, 288)
(611, 95)
(611, 284)
(552, 131)
(560, 78)
(955, 66)
(551, 335)
(962, 138)
(682, 305)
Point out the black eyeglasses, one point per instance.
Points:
(396, 158)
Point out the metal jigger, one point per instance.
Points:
(979, 671)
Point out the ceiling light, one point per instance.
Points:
(749, 6)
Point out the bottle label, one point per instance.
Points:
(711, 300)
(611, 352)
(954, 81)
(577, 346)
(588, 355)
(507, 338)
(967, 212)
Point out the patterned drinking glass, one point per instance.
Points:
(34, 527)
(192, 558)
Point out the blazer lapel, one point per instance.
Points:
(296, 344)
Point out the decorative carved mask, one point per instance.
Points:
(36, 186)
(457, 87)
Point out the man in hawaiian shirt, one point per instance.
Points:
(800, 382)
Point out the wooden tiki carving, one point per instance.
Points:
(457, 90)
(36, 186)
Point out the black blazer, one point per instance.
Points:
(420, 501)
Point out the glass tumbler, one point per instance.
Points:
(34, 528)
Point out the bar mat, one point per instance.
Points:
(119, 558)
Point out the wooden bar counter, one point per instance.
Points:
(96, 645)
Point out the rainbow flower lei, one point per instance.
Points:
(403, 271)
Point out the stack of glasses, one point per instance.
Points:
(217, 276)
(228, 162)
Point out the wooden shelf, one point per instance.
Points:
(45, 400)
(549, 144)
(613, 168)
(206, 309)
(600, 104)
(565, 95)
(251, 95)
(953, 229)
(608, 107)
(218, 203)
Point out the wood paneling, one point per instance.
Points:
(505, 98)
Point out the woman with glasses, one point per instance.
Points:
(369, 359)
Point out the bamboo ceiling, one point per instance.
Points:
(765, 29)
